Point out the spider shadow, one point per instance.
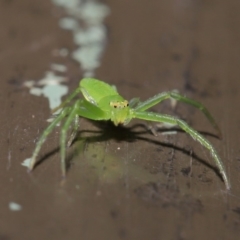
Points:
(46, 156)
(107, 131)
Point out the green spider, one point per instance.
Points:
(102, 102)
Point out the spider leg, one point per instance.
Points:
(72, 116)
(44, 135)
(150, 116)
(69, 98)
(142, 106)
(134, 102)
(80, 108)
(74, 131)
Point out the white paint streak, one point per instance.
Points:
(58, 67)
(68, 23)
(29, 84)
(14, 206)
(50, 87)
(36, 91)
(26, 162)
(85, 20)
(54, 94)
(9, 159)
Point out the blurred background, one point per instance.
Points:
(122, 182)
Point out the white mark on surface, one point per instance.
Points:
(13, 206)
(9, 159)
(58, 67)
(26, 162)
(88, 57)
(36, 91)
(51, 79)
(94, 12)
(71, 4)
(85, 20)
(52, 88)
(63, 52)
(29, 84)
(54, 94)
(68, 23)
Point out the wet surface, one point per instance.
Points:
(123, 183)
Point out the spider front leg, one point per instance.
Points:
(81, 108)
(150, 116)
(69, 98)
(74, 131)
(142, 106)
(72, 115)
(44, 135)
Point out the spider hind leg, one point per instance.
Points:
(155, 117)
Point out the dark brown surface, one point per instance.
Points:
(124, 183)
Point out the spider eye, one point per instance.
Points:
(119, 104)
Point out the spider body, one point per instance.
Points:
(102, 102)
(113, 106)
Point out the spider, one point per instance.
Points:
(102, 102)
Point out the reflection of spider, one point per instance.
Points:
(102, 102)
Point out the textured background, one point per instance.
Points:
(123, 183)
